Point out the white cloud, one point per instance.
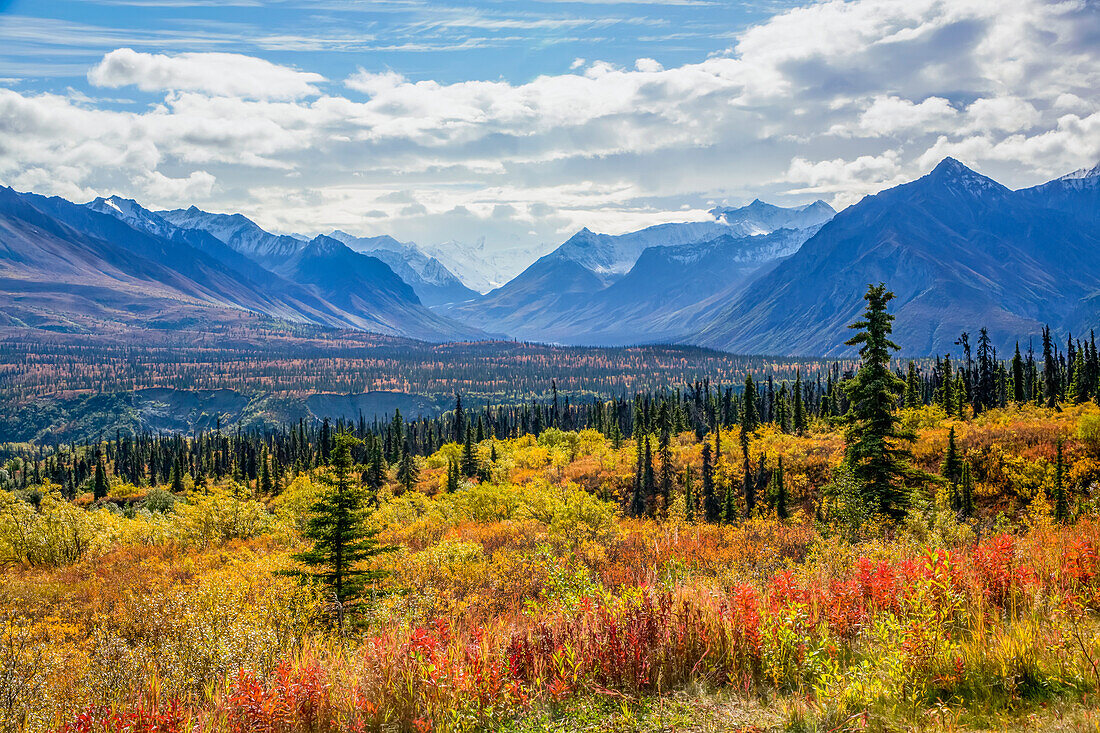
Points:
(1002, 114)
(836, 99)
(226, 74)
(891, 115)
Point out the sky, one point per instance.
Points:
(520, 121)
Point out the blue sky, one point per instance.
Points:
(507, 126)
(50, 44)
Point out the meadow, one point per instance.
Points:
(526, 600)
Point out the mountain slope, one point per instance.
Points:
(239, 232)
(960, 251)
(68, 267)
(300, 304)
(369, 291)
(762, 218)
(591, 290)
(363, 288)
(433, 283)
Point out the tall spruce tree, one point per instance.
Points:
(779, 490)
(99, 484)
(966, 489)
(877, 452)
(341, 540)
(1019, 396)
(407, 471)
(1050, 370)
(951, 470)
(712, 509)
(799, 407)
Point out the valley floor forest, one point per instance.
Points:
(881, 545)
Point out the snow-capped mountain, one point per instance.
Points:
(239, 232)
(432, 282)
(763, 218)
(611, 256)
(134, 214)
(572, 295)
(960, 251)
(483, 267)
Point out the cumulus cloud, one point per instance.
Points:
(226, 74)
(836, 99)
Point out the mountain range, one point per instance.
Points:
(112, 263)
(649, 285)
(960, 251)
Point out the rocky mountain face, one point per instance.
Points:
(960, 251)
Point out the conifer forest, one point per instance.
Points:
(879, 543)
(549, 366)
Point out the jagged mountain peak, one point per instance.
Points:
(950, 173)
(1082, 174)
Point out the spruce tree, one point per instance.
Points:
(689, 496)
(966, 488)
(876, 450)
(637, 497)
(951, 469)
(664, 450)
(341, 541)
(1050, 370)
(749, 489)
(452, 476)
(469, 458)
(947, 387)
(1018, 394)
(750, 418)
(779, 484)
(912, 387)
(407, 471)
(649, 482)
(799, 408)
(1061, 504)
(712, 510)
(267, 486)
(99, 485)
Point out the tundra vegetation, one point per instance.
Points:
(902, 549)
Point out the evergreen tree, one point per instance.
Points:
(376, 470)
(750, 418)
(267, 486)
(341, 541)
(711, 508)
(177, 476)
(616, 434)
(1018, 394)
(664, 450)
(952, 468)
(799, 408)
(407, 471)
(1050, 370)
(459, 426)
(469, 458)
(947, 387)
(779, 484)
(649, 480)
(875, 453)
(912, 387)
(452, 476)
(966, 488)
(1061, 504)
(749, 488)
(637, 497)
(99, 485)
(689, 496)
